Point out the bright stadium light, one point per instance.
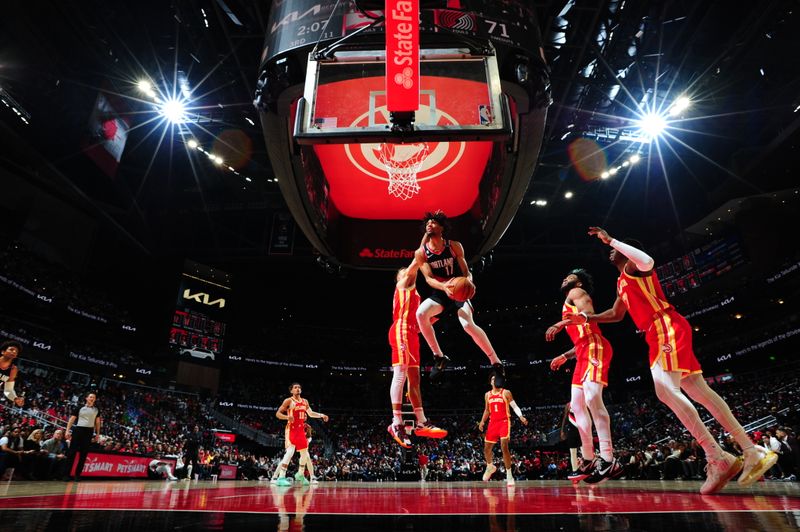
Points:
(652, 125)
(174, 111)
(145, 86)
(604, 175)
(680, 105)
(568, 194)
(193, 144)
(635, 158)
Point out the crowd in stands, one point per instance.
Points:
(354, 445)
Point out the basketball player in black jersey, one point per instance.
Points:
(8, 371)
(444, 260)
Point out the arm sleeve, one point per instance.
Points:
(643, 261)
(8, 390)
(515, 408)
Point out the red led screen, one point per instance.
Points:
(358, 181)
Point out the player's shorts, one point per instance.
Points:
(404, 353)
(669, 338)
(297, 437)
(593, 358)
(497, 430)
(450, 305)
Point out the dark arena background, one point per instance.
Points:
(203, 202)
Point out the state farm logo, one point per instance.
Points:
(405, 78)
(380, 253)
(402, 40)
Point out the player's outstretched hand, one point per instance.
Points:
(552, 331)
(600, 233)
(576, 319)
(524, 421)
(557, 362)
(324, 418)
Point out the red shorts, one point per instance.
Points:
(405, 345)
(670, 341)
(593, 358)
(497, 430)
(297, 437)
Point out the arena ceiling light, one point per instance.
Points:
(652, 125)
(679, 106)
(174, 110)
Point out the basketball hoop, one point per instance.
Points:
(402, 162)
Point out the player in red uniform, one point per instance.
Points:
(404, 339)
(593, 353)
(295, 410)
(674, 366)
(443, 261)
(497, 403)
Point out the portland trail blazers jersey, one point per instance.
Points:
(643, 297)
(443, 264)
(578, 333)
(5, 374)
(498, 407)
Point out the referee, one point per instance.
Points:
(86, 422)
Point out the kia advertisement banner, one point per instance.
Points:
(117, 465)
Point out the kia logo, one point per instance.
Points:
(203, 298)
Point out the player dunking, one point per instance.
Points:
(497, 402)
(9, 351)
(294, 410)
(404, 339)
(673, 364)
(444, 260)
(593, 354)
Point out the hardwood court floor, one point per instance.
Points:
(535, 505)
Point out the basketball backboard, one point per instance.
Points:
(344, 101)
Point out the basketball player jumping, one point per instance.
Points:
(8, 370)
(497, 402)
(593, 354)
(294, 410)
(674, 367)
(444, 260)
(404, 339)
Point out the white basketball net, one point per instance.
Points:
(402, 162)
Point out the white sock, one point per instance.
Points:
(420, 413)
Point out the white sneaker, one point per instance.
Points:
(490, 469)
(510, 481)
(757, 461)
(314, 481)
(273, 481)
(719, 471)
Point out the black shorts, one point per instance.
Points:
(450, 305)
(573, 436)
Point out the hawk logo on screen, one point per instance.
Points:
(442, 155)
(203, 298)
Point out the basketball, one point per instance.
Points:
(462, 287)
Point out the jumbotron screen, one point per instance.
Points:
(200, 316)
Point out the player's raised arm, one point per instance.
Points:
(612, 315)
(641, 260)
